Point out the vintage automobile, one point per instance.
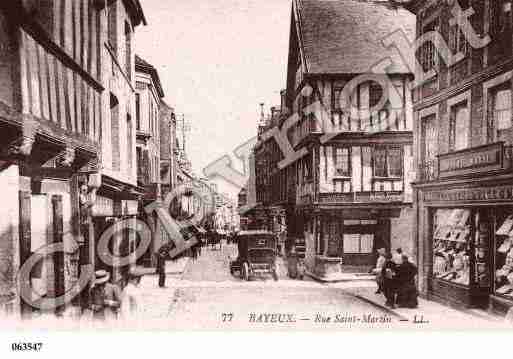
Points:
(257, 254)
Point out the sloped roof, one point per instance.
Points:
(344, 36)
(144, 66)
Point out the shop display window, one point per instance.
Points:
(482, 239)
(504, 255)
(452, 245)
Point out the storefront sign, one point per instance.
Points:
(365, 197)
(471, 161)
(385, 197)
(500, 193)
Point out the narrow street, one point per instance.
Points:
(207, 297)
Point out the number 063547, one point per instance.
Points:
(26, 347)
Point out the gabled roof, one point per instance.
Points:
(144, 66)
(345, 36)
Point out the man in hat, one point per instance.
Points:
(105, 296)
(378, 269)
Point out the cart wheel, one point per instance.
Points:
(245, 271)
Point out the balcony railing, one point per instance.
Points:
(472, 161)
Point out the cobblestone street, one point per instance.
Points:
(207, 297)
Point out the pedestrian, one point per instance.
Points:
(389, 280)
(406, 289)
(397, 256)
(105, 297)
(131, 300)
(378, 269)
(161, 267)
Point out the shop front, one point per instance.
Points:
(346, 239)
(467, 231)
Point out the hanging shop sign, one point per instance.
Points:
(472, 161)
(480, 194)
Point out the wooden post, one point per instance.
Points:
(25, 242)
(58, 257)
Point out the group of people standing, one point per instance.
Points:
(110, 302)
(395, 276)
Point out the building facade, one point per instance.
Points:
(116, 205)
(66, 159)
(352, 183)
(148, 97)
(463, 135)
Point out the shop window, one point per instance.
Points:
(504, 256)
(459, 126)
(356, 243)
(451, 245)
(342, 162)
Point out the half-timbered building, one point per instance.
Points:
(351, 187)
(68, 143)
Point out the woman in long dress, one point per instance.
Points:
(406, 288)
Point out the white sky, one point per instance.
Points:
(217, 61)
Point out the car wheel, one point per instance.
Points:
(245, 271)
